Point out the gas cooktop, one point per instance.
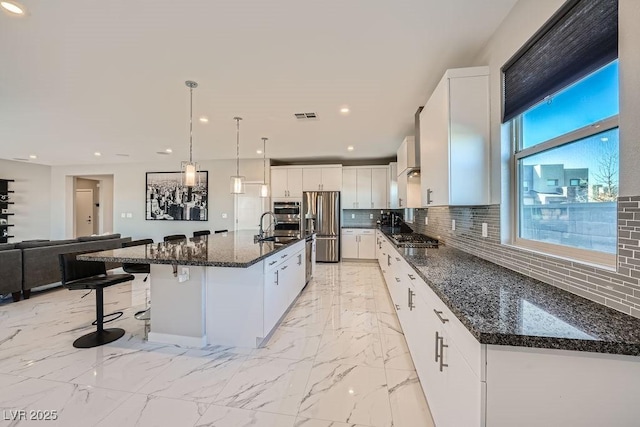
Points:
(414, 240)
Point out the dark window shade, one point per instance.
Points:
(578, 39)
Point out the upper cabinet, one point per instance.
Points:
(286, 182)
(325, 178)
(365, 187)
(407, 155)
(392, 195)
(454, 140)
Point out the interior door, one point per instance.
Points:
(249, 207)
(84, 212)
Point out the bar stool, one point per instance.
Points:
(201, 233)
(92, 275)
(139, 269)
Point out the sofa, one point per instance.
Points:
(35, 263)
(10, 270)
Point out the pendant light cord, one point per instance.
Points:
(264, 160)
(237, 119)
(191, 125)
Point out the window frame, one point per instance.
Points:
(601, 259)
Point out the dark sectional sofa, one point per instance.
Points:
(29, 264)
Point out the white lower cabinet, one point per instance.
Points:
(358, 243)
(284, 279)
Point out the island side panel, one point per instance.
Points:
(235, 305)
(177, 309)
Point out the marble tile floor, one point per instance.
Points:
(337, 359)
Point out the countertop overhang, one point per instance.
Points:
(232, 249)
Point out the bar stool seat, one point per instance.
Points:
(92, 275)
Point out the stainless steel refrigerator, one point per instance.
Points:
(321, 213)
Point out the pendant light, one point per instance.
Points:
(189, 170)
(237, 181)
(264, 188)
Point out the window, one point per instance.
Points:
(567, 163)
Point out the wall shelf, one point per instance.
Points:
(4, 214)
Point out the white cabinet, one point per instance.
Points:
(358, 243)
(407, 155)
(286, 182)
(365, 187)
(327, 178)
(454, 140)
(284, 279)
(408, 191)
(392, 195)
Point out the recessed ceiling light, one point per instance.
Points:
(12, 7)
(168, 150)
(33, 156)
(350, 148)
(259, 151)
(97, 154)
(344, 110)
(204, 119)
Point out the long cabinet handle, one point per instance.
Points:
(437, 342)
(284, 268)
(389, 260)
(398, 279)
(438, 313)
(397, 306)
(299, 259)
(410, 299)
(273, 262)
(411, 276)
(277, 277)
(442, 347)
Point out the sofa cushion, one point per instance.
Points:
(92, 238)
(7, 246)
(38, 244)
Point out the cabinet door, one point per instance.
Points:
(393, 186)
(311, 179)
(364, 189)
(379, 188)
(275, 296)
(332, 179)
(294, 179)
(367, 245)
(349, 244)
(469, 140)
(402, 190)
(402, 157)
(279, 183)
(434, 147)
(463, 389)
(349, 189)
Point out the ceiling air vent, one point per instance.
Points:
(305, 116)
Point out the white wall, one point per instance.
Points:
(129, 196)
(31, 197)
(629, 54)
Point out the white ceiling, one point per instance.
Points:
(83, 76)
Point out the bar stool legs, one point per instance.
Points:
(101, 336)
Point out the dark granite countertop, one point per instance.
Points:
(502, 307)
(232, 249)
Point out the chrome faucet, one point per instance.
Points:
(260, 235)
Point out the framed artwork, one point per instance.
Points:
(167, 199)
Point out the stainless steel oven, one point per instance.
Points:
(288, 216)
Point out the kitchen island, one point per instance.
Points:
(221, 289)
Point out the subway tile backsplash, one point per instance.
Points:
(619, 290)
(362, 217)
